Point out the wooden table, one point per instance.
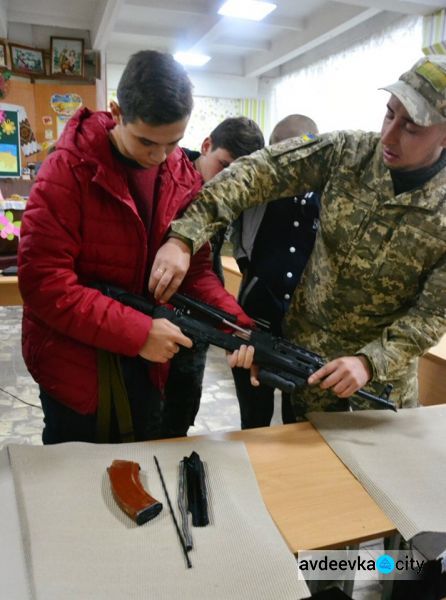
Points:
(9, 291)
(232, 274)
(432, 375)
(312, 497)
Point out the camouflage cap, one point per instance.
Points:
(422, 90)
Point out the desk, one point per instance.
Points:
(232, 274)
(432, 375)
(9, 291)
(312, 497)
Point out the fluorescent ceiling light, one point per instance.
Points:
(191, 59)
(247, 9)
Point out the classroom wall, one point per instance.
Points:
(215, 98)
(204, 84)
(36, 99)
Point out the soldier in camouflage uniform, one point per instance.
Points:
(373, 296)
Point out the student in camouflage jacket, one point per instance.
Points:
(373, 296)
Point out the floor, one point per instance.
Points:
(21, 416)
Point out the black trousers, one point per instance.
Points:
(257, 403)
(183, 389)
(63, 424)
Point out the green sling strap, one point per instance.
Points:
(112, 390)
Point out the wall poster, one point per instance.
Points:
(9, 143)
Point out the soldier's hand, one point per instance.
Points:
(169, 268)
(164, 341)
(343, 376)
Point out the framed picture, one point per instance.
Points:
(27, 60)
(2, 55)
(67, 57)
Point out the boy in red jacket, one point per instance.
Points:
(98, 212)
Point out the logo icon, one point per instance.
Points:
(385, 564)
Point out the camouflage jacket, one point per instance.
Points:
(376, 281)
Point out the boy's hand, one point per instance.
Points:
(163, 341)
(241, 358)
(169, 269)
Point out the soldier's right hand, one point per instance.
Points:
(344, 375)
(169, 269)
(164, 341)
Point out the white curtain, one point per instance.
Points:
(341, 92)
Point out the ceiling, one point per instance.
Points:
(242, 48)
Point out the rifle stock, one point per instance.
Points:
(129, 493)
(282, 364)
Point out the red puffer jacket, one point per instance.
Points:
(81, 226)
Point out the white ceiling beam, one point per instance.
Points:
(409, 7)
(325, 24)
(145, 31)
(179, 6)
(171, 35)
(122, 43)
(283, 23)
(208, 8)
(48, 19)
(207, 37)
(229, 44)
(4, 18)
(211, 25)
(211, 8)
(213, 31)
(206, 29)
(104, 22)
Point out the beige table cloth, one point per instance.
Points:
(80, 545)
(400, 458)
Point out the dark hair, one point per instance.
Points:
(154, 88)
(238, 135)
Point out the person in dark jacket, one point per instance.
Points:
(272, 244)
(232, 138)
(98, 212)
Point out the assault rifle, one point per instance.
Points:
(282, 364)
